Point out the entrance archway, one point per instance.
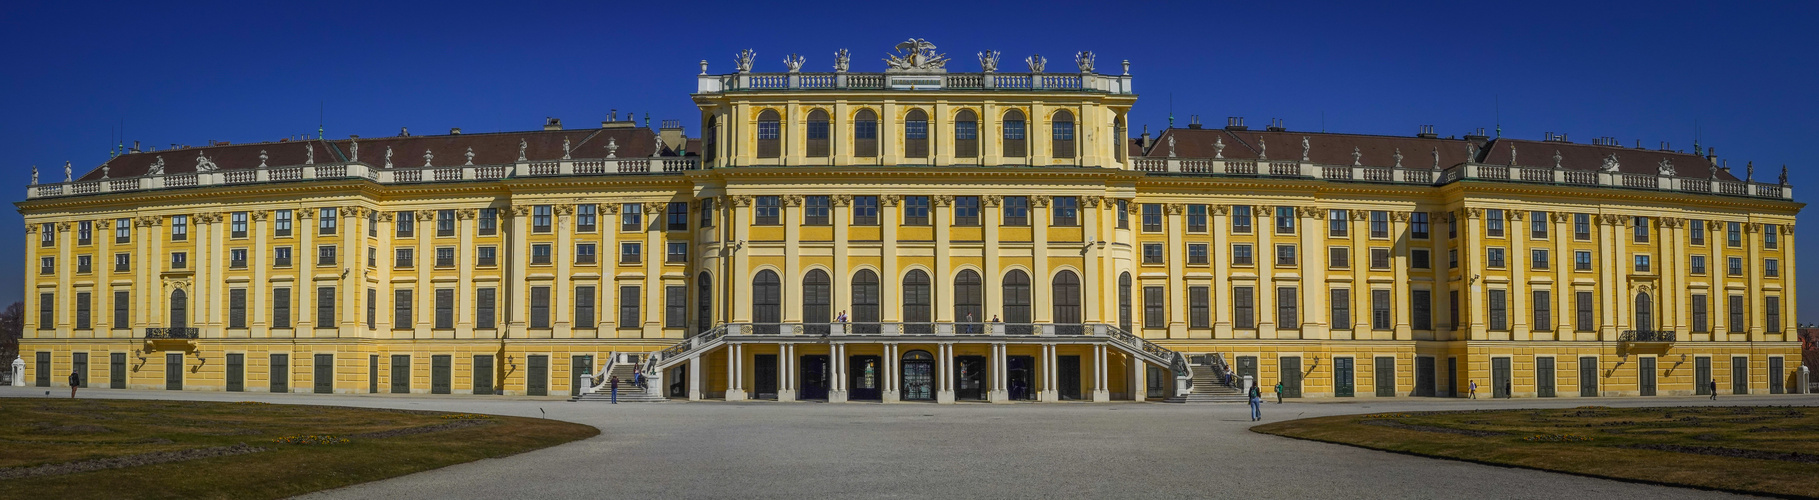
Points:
(918, 376)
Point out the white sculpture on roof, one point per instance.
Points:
(309, 155)
(470, 155)
(842, 60)
(388, 157)
(1610, 164)
(657, 141)
(1557, 158)
(743, 61)
(1749, 172)
(1084, 59)
(612, 148)
(157, 168)
(793, 62)
(1784, 174)
(427, 156)
(1436, 157)
(988, 61)
(1512, 153)
(1356, 157)
(262, 158)
(565, 148)
(1305, 148)
(1666, 167)
(104, 170)
(1171, 145)
(522, 145)
(203, 164)
(1398, 157)
(1219, 147)
(1036, 63)
(68, 176)
(1263, 149)
(34, 175)
(916, 54)
(353, 147)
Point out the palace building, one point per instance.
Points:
(916, 234)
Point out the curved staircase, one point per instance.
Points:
(628, 393)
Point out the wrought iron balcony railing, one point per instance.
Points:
(1646, 336)
(171, 333)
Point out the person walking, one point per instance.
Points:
(614, 383)
(1473, 390)
(1256, 398)
(1713, 384)
(75, 380)
(1278, 392)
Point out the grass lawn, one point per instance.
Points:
(1767, 450)
(100, 448)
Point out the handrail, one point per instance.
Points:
(1646, 336)
(600, 378)
(172, 333)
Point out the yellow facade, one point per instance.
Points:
(1014, 198)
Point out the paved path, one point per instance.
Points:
(814, 450)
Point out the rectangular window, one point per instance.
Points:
(1338, 225)
(584, 307)
(281, 223)
(48, 265)
(325, 255)
(1701, 321)
(1380, 224)
(372, 308)
(541, 218)
(1124, 214)
(1199, 307)
(676, 215)
(1285, 220)
(122, 311)
(1498, 302)
(1241, 219)
(539, 307)
(1152, 253)
(1016, 211)
(628, 307)
(678, 252)
(1735, 265)
(1066, 211)
(1771, 236)
(1582, 307)
(1452, 225)
(1241, 255)
(707, 213)
(1582, 227)
(1582, 260)
(1771, 267)
(180, 227)
(179, 260)
(1380, 258)
(1196, 253)
(1736, 325)
(1417, 224)
(84, 264)
(403, 258)
(631, 253)
(401, 310)
(326, 221)
(281, 307)
(1537, 225)
(1642, 263)
(1341, 308)
(445, 257)
(281, 256)
(486, 256)
(406, 223)
(1380, 310)
(1493, 223)
(1285, 255)
(1771, 307)
(587, 218)
(1339, 257)
(237, 225)
(1243, 308)
(915, 211)
(445, 222)
(584, 253)
(1543, 307)
(1196, 218)
(675, 307)
(1698, 264)
(1733, 236)
(372, 224)
(488, 221)
(631, 217)
(1494, 257)
(325, 308)
(1538, 258)
(540, 253)
(123, 262)
(1418, 259)
(865, 210)
(1153, 315)
(445, 308)
(85, 232)
(123, 231)
(966, 210)
(82, 311)
(1452, 308)
(1421, 312)
(47, 311)
(768, 211)
(484, 306)
(1695, 232)
(1288, 310)
(1152, 217)
(236, 258)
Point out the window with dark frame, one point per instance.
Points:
(767, 211)
(1340, 305)
(405, 222)
(916, 211)
(1244, 309)
(1199, 299)
(1016, 210)
(966, 210)
(628, 307)
(1153, 314)
(865, 210)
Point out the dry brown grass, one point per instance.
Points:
(39, 432)
(1761, 450)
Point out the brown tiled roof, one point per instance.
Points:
(1323, 148)
(1591, 157)
(489, 148)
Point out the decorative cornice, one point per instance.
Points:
(1092, 201)
(1399, 216)
(1221, 210)
(385, 217)
(609, 209)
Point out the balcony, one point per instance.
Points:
(1647, 336)
(171, 333)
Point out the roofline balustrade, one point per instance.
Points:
(1040, 82)
(1222, 167)
(395, 175)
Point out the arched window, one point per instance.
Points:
(1067, 302)
(179, 309)
(818, 134)
(865, 301)
(817, 300)
(1017, 301)
(918, 376)
(969, 301)
(966, 134)
(767, 302)
(1063, 128)
(1016, 141)
(1645, 314)
(916, 300)
(1124, 301)
(865, 134)
(915, 134)
(770, 134)
(704, 303)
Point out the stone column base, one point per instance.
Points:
(999, 396)
(1048, 396)
(786, 394)
(735, 395)
(892, 396)
(1101, 395)
(836, 396)
(944, 397)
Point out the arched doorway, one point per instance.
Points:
(767, 302)
(969, 301)
(916, 303)
(1645, 315)
(1017, 302)
(817, 300)
(1067, 303)
(918, 376)
(865, 301)
(179, 309)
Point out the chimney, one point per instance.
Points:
(1235, 123)
(672, 135)
(1276, 125)
(552, 124)
(1427, 132)
(1143, 141)
(1477, 136)
(1664, 145)
(454, 131)
(135, 146)
(1710, 152)
(1193, 122)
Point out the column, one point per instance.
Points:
(1314, 316)
(735, 391)
(694, 378)
(792, 259)
(739, 285)
(1048, 394)
(1401, 294)
(991, 215)
(465, 227)
(786, 370)
(1176, 219)
(1264, 226)
(943, 374)
(257, 304)
(890, 389)
(1000, 378)
(655, 229)
(840, 277)
(1519, 261)
(1222, 270)
(942, 215)
(1100, 393)
(519, 258)
(839, 379)
(890, 276)
(1041, 304)
(1093, 225)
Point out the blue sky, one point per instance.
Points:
(1743, 73)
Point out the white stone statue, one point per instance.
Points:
(1436, 157)
(1749, 172)
(427, 157)
(743, 61)
(988, 61)
(104, 170)
(522, 145)
(1666, 167)
(612, 148)
(1171, 146)
(68, 174)
(842, 61)
(1357, 157)
(1263, 149)
(1398, 157)
(1219, 147)
(657, 142)
(1610, 164)
(1036, 63)
(388, 157)
(1784, 174)
(470, 156)
(262, 158)
(1512, 154)
(1305, 148)
(916, 54)
(157, 167)
(309, 154)
(1084, 59)
(353, 150)
(1557, 158)
(203, 164)
(565, 148)
(34, 175)
(793, 62)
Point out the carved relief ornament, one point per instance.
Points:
(466, 214)
(1174, 208)
(990, 200)
(841, 200)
